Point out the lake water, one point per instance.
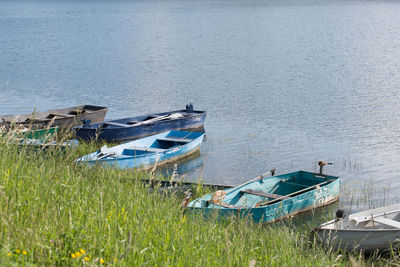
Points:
(285, 82)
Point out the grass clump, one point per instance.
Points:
(53, 212)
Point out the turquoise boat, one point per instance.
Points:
(146, 152)
(267, 199)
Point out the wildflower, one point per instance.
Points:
(86, 259)
(9, 254)
(73, 255)
(101, 261)
(115, 259)
(78, 254)
(82, 251)
(24, 252)
(18, 251)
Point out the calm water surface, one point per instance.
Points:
(285, 83)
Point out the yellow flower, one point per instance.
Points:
(24, 252)
(78, 254)
(18, 251)
(87, 259)
(82, 251)
(115, 259)
(9, 254)
(73, 255)
(101, 261)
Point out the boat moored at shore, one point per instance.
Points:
(146, 152)
(142, 126)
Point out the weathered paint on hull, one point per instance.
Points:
(148, 161)
(328, 202)
(315, 198)
(93, 113)
(173, 159)
(120, 134)
(366, 241)
(366, 231)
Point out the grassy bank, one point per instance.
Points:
(53, 212)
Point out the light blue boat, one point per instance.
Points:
(144, 153)
(271, 198)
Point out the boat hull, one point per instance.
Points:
(366, 231)
(65, 118)
(366, 241)
(318, 197)
(194, 120)
(146, 162)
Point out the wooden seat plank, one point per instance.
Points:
(287, 182)
(261, 194)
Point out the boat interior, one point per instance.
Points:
(379, 221)
(142, 120)
(271, 190)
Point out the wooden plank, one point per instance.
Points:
(183, 183)
(296, 184)
(388, 222)
(116, 124)
(261, 194)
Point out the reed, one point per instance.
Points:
(53, 212)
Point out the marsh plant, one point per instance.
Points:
(55, 212)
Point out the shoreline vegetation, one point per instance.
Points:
(54, 212)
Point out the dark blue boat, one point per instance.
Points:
(142, 126)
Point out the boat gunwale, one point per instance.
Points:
(322, 229)
(50, 111)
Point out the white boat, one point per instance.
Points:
(367, 231)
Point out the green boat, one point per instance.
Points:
(266, 199)
(40, 134)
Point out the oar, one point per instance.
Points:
(272, 172)
(158, 118)
(292, 194)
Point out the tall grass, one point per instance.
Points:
(53, 212)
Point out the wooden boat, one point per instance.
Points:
(266, 199)
(63, 118)
(144, 153)
(142, 126)
(367, 231)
